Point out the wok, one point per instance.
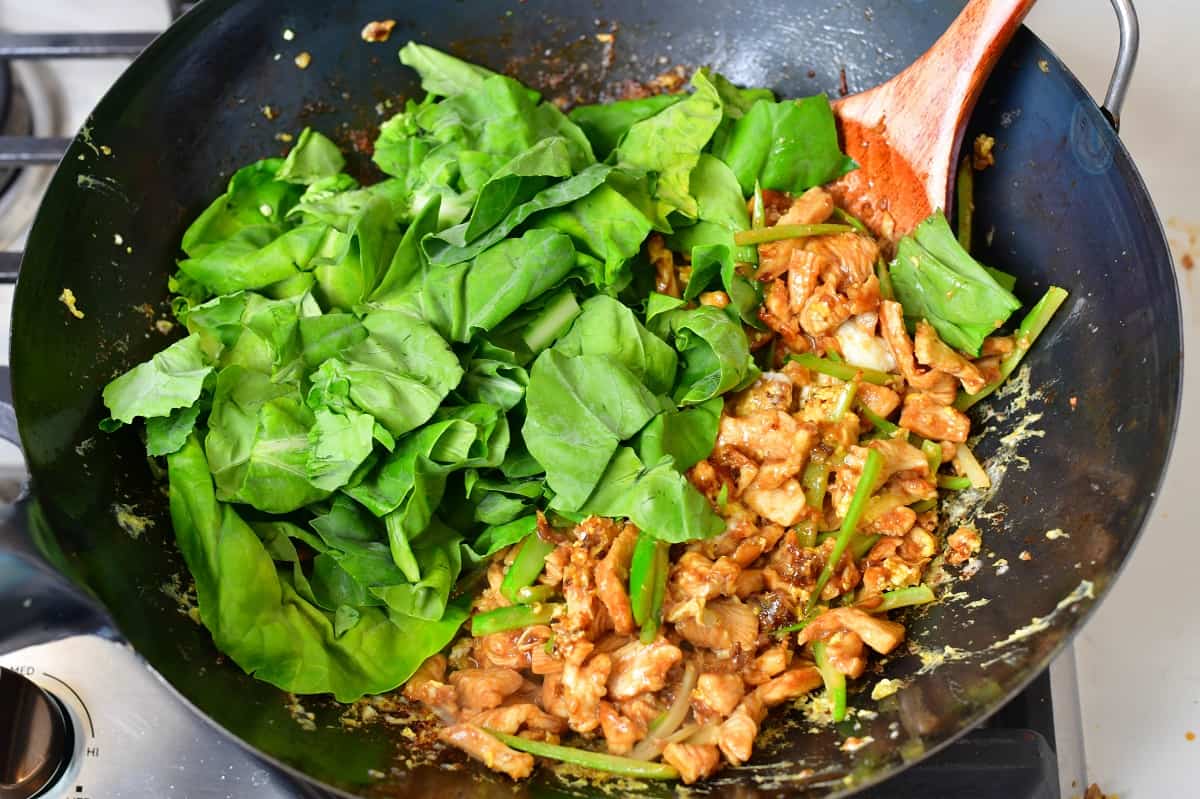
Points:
(1085, 447)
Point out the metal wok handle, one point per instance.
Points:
(38, 603)
(1127, 53)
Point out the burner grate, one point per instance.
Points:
(29, 151)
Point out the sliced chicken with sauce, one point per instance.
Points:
(488, 750)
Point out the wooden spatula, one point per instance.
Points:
(904, 133)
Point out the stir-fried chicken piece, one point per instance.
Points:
(750, 581)
(612, 573)
(775, 205)
(579, 591)
(736, 734)
(768, 435)
(620, 732)
(583, 686)
(556, 564)
(810, 208)
(895, 522)
(482, 689)
(716, 695)
(824, 311)
(880, 634)
(511, 718)
(642, 709)
(898, 456)
(722, 625)
(804, 273)
(428, 686)
(693, 580)
(926, 417)
(772, 391)
(783, 505)
(692, 761)
(880, 399)
(850, 256)
(938, 384)
(663, 260)
(487, 749)
(789, 685)
(997, 345)
(639, 668)
(962, 544)
(846, 653)
(743, 540)
(502, 650)
(770, 663)
(933, 352)
(885, 568)
(775, 313)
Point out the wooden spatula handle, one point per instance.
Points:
(923, 111)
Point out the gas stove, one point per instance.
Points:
(85, 716)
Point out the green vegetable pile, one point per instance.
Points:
(382, 385)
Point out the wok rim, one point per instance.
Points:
(180, 34)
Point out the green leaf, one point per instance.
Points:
(443, 74)
(399, 373)
(256, 256)
(609, 329)
(171, 379)
(462, 299)
(578, 409)
(351, 264)
(442, 249)
(338, 442)
(936, 279)
(787, 146)
(687, 436)
(722, 211)
(258, 442)
(715, 353)
(659, 500)
(313, 158)
(515, 183)
(167, 434)
(501, 536)
(669, 144)
(252, 190)
(604, 224)
(606, 123)
(713, 263)
(258, 618)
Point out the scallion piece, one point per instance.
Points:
(923, 505)
(662, 567)
(526, 566)
(844, 401)
(781, 232)
(625, 766)
(835, 681)
(759, 220)
(965, 200)
(953, 482)
(850, 219)
(842, 371)
(877, 421)
(512, 617)
(641, 577)
(861, 545)
(933, 454)
(886, 290)
(862, 492)
(900, 598)
(1031, 327)
(806, 533)
(815, 479)
(531, 594)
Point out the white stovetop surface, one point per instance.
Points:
(1137, 659)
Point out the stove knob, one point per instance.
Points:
(36, 738)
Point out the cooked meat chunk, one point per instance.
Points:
(824, 311)
(891, 322)
(666, 281)
(488, 750)
(789, 685)
(722, 625)
(932, 352)
(612, 574)
(898, 456)
(717, 694)
(880, 634)
(639, 668)
(804, 273)
(771, 392)
(511, 718)
(783, 505)
(770, 663)
(810, 208)
(736, 735)
(620, 732)
(896, 522)
(694, 579)
(962, 545)
(926, 417)
(583, 686)
(880, 399)
(481, 689)
(692, 761)
(427, 687)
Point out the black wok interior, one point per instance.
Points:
(1064, 205)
